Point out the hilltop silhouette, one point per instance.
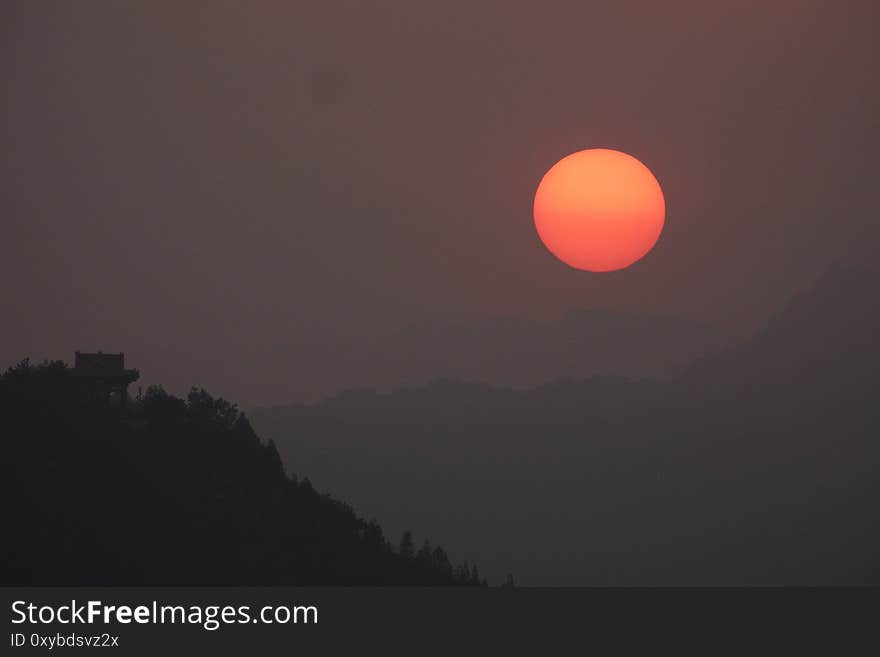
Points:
(755, 466)
(172, 491)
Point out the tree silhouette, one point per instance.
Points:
(406, 548)
(423, 557)
(169, 491)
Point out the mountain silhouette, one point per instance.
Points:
(504, 351)
(754, 466)
(169, 491)
(831, 328)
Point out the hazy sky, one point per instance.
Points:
(199, 184)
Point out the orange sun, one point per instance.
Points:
(599, 210)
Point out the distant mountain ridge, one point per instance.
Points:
(836, 321)
(755, 466)
(504, 351)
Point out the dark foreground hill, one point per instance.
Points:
(172, 491)
(758, 466)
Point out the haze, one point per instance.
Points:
(218, 190)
